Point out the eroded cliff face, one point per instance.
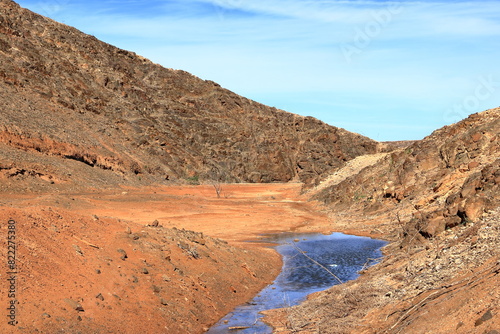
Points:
(68, 97)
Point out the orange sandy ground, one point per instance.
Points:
(180, 294)
(243, 212)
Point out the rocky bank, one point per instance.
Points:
(437, 200)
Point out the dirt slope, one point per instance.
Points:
(78, 274)
(75, 110)
(351, 168)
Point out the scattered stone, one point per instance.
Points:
(74, 305)
(199, 240)
(435, 226)
(163, 301)
(473, 164)
(128, 230)
(145, 271)
(98, 271)
(183, 245)
(487, 316)
(193, 252)
(155, 223)
(166, 278)
(124, 254)
(46, 315)
(474, 208)
(477, 137)
(78, 250)
(100, 297)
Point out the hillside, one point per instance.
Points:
(438, 201)
(93, 140)
(447, 179)
(79, 112)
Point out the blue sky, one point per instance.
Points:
(386, 69)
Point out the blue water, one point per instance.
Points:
(343, 255)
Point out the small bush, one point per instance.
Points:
(193, 180)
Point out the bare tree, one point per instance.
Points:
(218, 188)
(218, 178)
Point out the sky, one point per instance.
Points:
(389, 70)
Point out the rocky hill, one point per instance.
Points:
(78, 111)
(449, 178)
(438, 201)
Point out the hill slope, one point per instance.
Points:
(447, 179)
(438, 201)
(75, 110)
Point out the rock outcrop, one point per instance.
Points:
(447, 179)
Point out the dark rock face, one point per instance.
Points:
(67, 97)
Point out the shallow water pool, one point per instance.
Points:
(343, 255)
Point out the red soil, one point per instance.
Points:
(73, 275)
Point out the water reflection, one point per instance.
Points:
(305, 260)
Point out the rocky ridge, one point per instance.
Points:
(67, 97)
(447, 179)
